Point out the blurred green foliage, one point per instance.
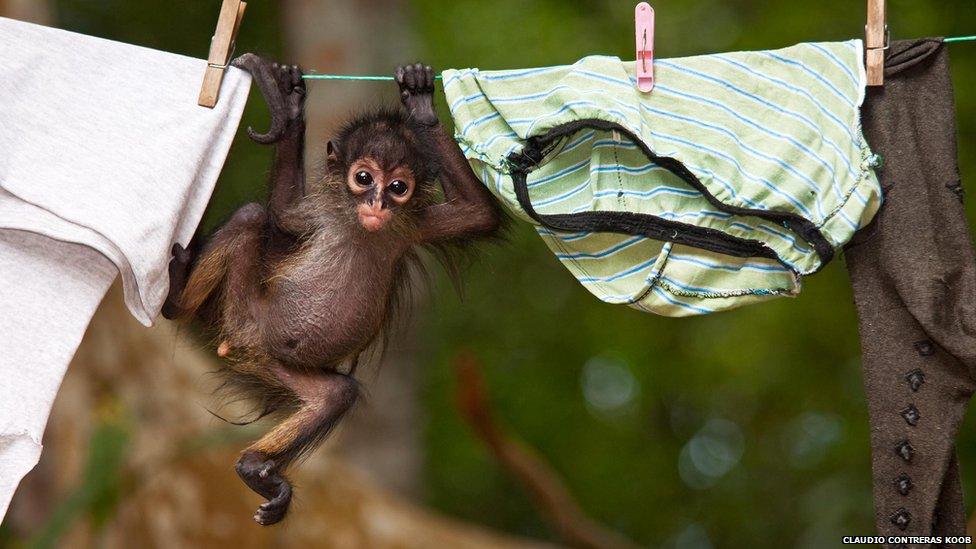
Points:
(786, 373)
(678, 432)
(101, 484)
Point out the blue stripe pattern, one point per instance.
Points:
(768, 131)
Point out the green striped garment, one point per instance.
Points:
(735, 176)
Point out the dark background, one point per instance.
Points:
(745, 428)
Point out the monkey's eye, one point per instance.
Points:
(364, 179)
(399, 188)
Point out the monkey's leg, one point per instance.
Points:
(231, 244)
(244, 272)
(324, 397)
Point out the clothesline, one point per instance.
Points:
(349, 77)
(390, 78)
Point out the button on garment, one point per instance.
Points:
(914, 276)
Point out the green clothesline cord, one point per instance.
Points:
(389, 78)
(348, 77)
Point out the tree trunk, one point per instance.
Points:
(35, 11)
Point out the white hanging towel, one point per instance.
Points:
(105, 161)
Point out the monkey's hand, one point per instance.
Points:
(284, 90)
(417, 92)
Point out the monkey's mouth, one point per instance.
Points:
(372, 219)
(371, 223)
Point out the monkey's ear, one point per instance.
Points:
(332, 150)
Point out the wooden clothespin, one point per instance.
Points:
(644, 28)
(221, 49)
(876, 42)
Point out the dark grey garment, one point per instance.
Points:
(913, 270)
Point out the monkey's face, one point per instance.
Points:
(378, 192)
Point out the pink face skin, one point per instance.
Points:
(378, 191)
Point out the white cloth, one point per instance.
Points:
(105, 161)
(109, 138)
(50, 290)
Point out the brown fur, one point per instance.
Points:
(299, 288)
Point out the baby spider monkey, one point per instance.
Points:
(298, 289)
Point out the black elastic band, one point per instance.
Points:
(649, 225)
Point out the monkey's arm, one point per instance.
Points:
(284, 90)
(468, 210)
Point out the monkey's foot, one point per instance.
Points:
(284, 90)
(417, 92)
(292, 86)
(179, 267)
(261, 474)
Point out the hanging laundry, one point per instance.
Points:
(50, 290)
(105, 161)
(914, 277)
(740, 173)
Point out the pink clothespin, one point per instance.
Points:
(644, 23)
